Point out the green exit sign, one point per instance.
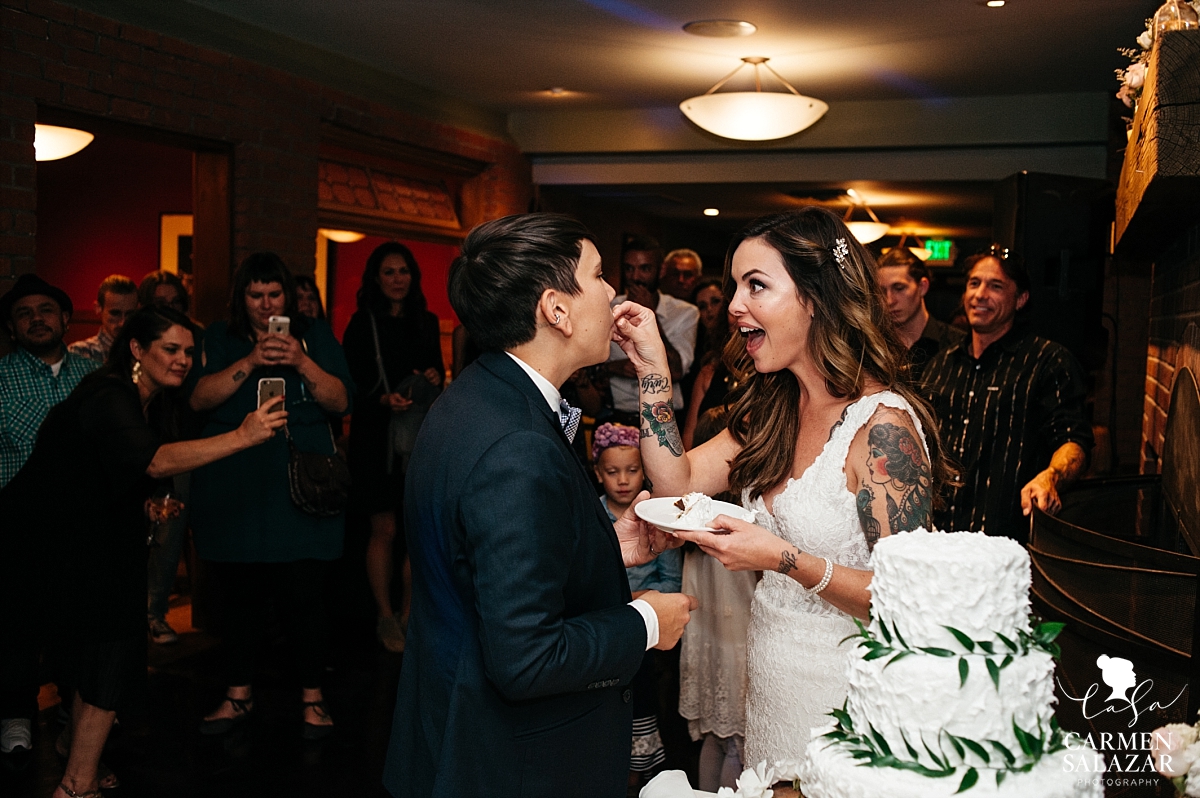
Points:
(939, 249)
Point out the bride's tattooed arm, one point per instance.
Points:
(896, 482)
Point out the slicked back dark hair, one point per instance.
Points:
(504, 268)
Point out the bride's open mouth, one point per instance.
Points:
(753, 335)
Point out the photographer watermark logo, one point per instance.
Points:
(1126, 753)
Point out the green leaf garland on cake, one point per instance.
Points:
(872, 749)
(1040, 637)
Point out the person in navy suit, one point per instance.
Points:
(522, 638)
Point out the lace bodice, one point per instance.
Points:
(796, 658)
(817, 514)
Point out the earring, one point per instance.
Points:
(136, 372)
(557, 319)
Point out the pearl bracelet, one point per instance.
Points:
(824, 583)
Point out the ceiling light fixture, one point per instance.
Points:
(50, 142)
(712, 212)
(556, 91)
(995, 3)
(720, 28)
(342, 236)
(920, 250)
(753, 115)
(865, 232)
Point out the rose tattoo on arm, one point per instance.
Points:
(658, 421)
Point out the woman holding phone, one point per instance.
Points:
(108, 444)
(246, 527)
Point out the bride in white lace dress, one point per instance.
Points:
(827, 442)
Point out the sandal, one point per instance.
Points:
(317, 731)
(104, 774)
(242, 708)
(72, 794)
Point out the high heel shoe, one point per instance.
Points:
(242, 708)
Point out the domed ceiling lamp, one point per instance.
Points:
(753, 115)
(50, 142)
(865, 232)
(920, 250)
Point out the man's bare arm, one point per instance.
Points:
(1067, 465)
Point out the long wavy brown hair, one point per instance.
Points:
(851, 339)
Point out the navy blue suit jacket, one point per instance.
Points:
(520, 640)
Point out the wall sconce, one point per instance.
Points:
(50, 142)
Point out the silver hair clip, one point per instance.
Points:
(840, 251)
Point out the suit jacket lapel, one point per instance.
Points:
(505, 369)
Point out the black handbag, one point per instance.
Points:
(403, 427)
(319, 483)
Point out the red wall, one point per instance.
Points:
(433, 259)
(270, 121)
(98, 214)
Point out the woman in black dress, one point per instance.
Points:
(392, 331)
(75, 518)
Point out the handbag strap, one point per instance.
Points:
(328, 428)
(378, 355)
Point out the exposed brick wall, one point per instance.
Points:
(1174, 337)
(58, 56)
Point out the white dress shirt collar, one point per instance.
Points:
(553, 397)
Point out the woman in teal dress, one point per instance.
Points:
(245, 526)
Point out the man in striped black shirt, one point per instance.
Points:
(1010, 406)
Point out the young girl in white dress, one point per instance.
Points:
(827, 442)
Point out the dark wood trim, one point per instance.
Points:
(51, 115)
(343, 144)
(389, 227)
(212, 236)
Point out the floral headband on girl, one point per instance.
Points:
(609, 435)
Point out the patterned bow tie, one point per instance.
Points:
(569, 418)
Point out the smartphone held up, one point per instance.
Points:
(269, 388)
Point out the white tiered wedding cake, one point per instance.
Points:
(951, 688)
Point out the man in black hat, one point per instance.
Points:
(38, 374)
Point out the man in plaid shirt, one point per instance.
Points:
(36, 376)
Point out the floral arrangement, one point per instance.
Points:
(1175, 749)
(1133, 77)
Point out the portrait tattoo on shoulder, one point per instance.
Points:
(866, 519)
(658, 421)
(896, 461)
(655, 383)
